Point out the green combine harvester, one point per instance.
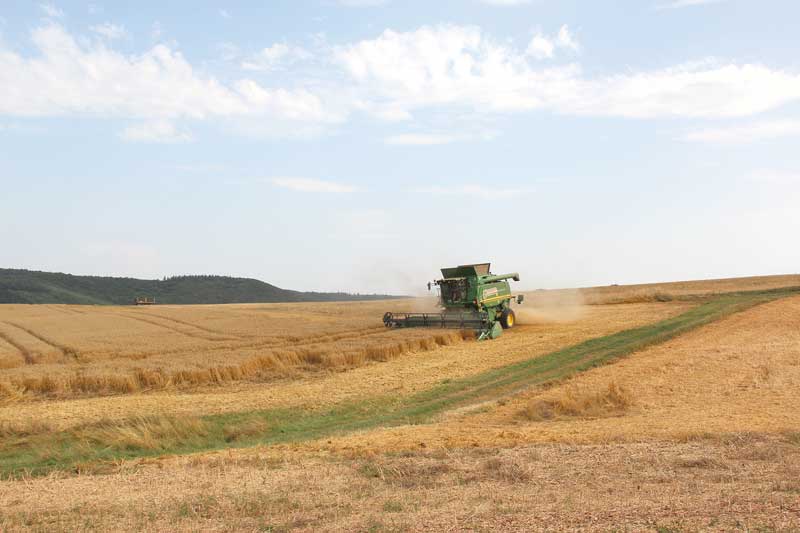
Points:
(472, 298)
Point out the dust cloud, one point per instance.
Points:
(566, 305)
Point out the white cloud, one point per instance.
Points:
(109, 30)
(387, 113)
(431, 139)
(155, 131)
(749, 133)
(480, 191)
(68, 78)
(705, 89)
(566, 39)
(676, 4)
(460, 66)
(543, 47)
(312, 185)
(51, 10)
(451, 69)
(297, 105)
(224, 14)
(279, 55)
(444, 65)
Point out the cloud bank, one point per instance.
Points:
(392, 77)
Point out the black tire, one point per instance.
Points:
(508, 318)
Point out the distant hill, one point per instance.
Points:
(33, 287)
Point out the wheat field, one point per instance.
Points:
(653, 440)
(62, 351)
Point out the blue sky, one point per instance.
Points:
(361, 144)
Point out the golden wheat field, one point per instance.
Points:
(700, 431)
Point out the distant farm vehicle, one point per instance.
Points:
(144, 300)
(472, 298)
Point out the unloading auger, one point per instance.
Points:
(472, 298)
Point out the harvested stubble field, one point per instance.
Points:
(665, 407)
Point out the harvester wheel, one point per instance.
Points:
(508, 319)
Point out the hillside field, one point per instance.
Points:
(661, 407)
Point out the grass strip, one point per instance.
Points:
(84, 448)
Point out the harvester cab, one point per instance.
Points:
(471, 298)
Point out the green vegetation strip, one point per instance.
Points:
(84, 448)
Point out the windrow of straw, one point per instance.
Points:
(272, 364)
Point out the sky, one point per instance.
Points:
(360, 145)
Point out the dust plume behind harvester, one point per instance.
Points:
(472, 298)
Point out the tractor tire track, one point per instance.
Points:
(281, 344)
(24, 352)
(278, 344)
(64, 309)
(69, 353)
(167, 327)
(227, 336)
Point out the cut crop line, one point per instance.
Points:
(66, 351)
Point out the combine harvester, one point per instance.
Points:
(472, 298)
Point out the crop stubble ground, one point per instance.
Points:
(707, 420)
